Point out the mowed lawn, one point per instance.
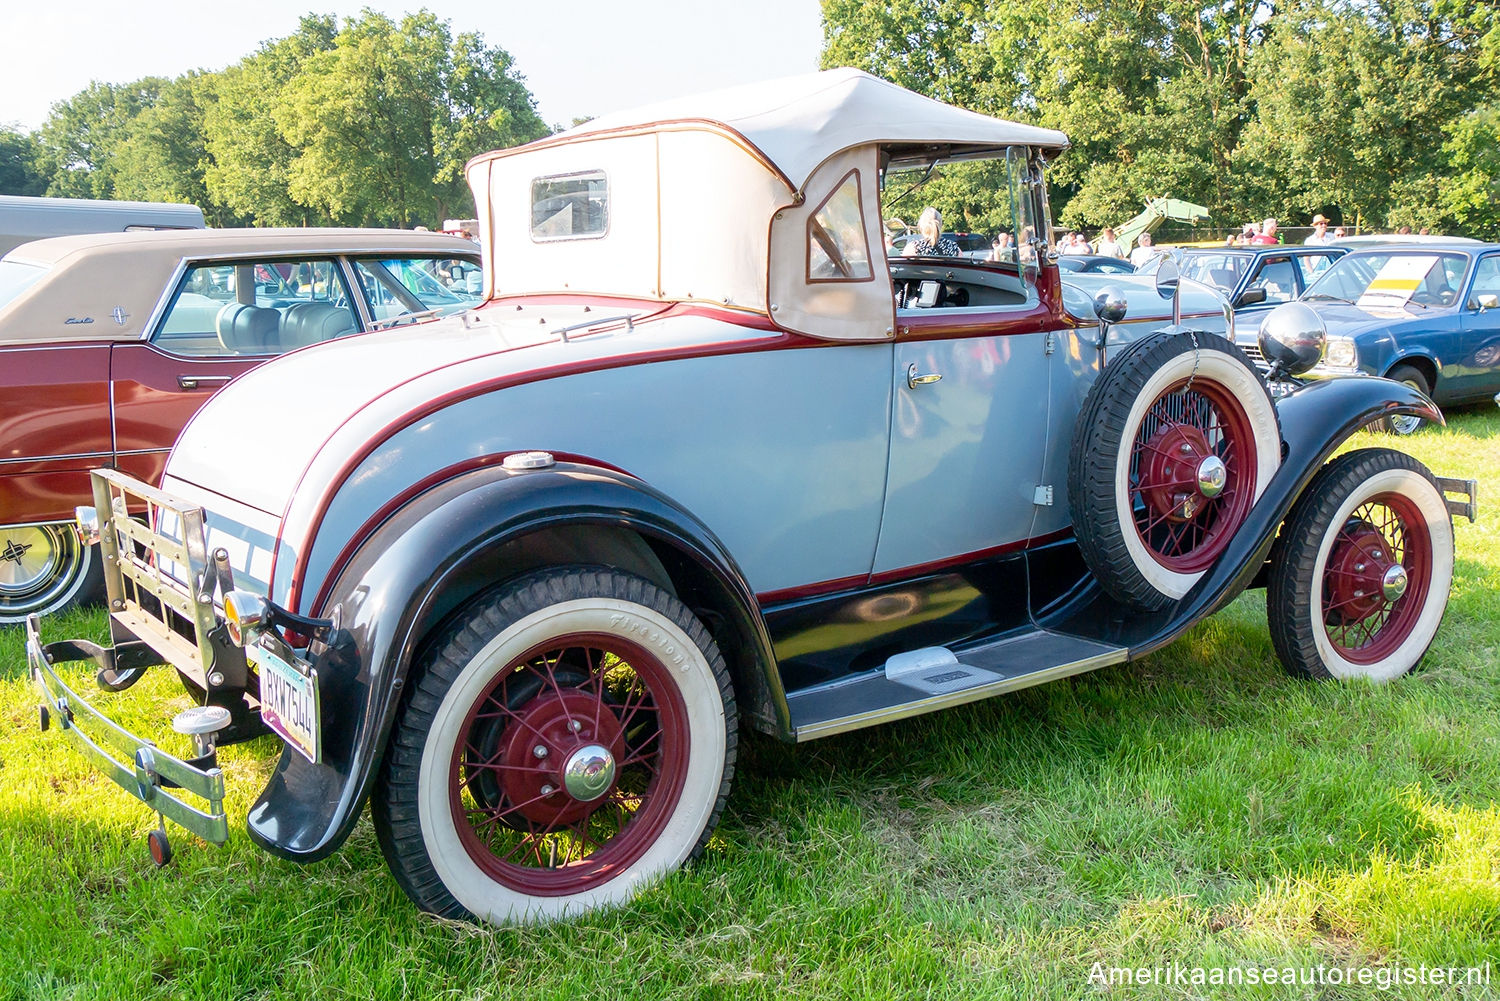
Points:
(1199, 807)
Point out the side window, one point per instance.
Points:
(1486, 278)
(1313, 265)
(256, 308)
(570, 206)
(1275, 276)
(837, 248)
(398, 288)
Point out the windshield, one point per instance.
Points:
(1221, 270)
(1393, 279)
(16, 277)
(988, 208)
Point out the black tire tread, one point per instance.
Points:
(393, 804)
(1290, 581)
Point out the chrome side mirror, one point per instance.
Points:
(1169, 286)
(1488, 300)
(1293, 338)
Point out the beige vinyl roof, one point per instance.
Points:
(797, 122)
(92, 275)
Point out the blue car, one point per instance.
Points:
(1426, 315)
(1257, 279)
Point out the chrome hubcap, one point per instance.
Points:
(589, 772)
(1212, 475)
(27, 559)
(1393, 584)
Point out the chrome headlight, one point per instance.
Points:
(1341, 353)
(1293, 337)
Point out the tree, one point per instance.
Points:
(384, 120)
(18, 170)
(163, 156)
(77, 144)
(1471, 197)
(1354, 102)
(249, 161)
(1378, 107)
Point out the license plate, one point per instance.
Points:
(288, 700)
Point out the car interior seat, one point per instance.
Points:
(247, 330)
(306, 323)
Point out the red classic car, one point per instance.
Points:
(110, 342)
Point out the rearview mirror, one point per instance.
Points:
(1251, 296)
(1489, 300)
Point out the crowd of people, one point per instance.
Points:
(930, 241)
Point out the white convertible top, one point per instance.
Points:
(710, 198)
(797, 122)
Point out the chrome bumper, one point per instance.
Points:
(155, 619)
(138, 766)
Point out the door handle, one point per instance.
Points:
(913, 380)
(194, 381)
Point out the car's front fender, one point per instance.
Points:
(390, 595)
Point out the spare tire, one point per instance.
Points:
(1172, 447)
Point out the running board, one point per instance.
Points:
(935, 678)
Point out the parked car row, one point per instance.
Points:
(707, 459)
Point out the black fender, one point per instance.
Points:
(387, 598)
(1315, 420)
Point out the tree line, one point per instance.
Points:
(368, 123)
(1379, 113)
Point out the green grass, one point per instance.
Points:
(1198, 807)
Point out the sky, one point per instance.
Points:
(581, 58)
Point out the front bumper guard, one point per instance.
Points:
(138, 766)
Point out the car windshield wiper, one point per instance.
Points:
(1327, 295)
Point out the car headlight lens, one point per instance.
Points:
(1341, 354)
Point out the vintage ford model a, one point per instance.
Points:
(707, 458)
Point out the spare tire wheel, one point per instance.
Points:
(1172, 447)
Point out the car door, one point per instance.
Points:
(1477, 373)
(224, 318)
(1278, 276)
(54, 428)
(970, 404)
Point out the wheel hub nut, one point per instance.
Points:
(589, 772)
(1211, 476)
(1393, 584)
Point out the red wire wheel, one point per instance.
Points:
(1360, 574)
(569, 740)
(602, 705)
(1192, 473)
(1376, 579)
